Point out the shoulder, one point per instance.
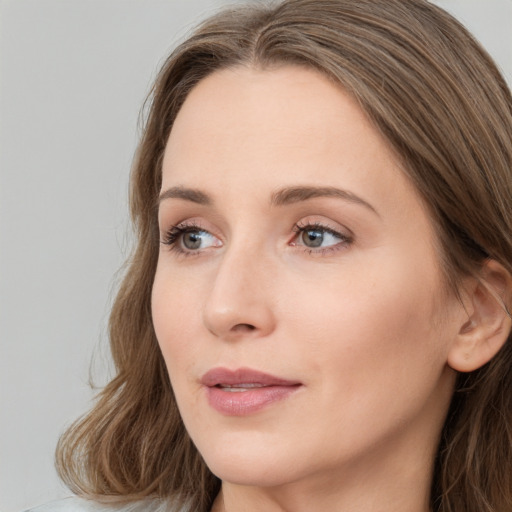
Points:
(76, 504)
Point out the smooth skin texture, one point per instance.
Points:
(341, 291)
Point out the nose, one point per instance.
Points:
(240, 300)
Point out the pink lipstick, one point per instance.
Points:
(244, 391)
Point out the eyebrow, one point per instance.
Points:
(292, 195)
(285, 196)
(188, 194)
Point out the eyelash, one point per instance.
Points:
(172, 238)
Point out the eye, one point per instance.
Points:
(319, 237)
(189, 239)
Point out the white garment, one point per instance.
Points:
(76, 504)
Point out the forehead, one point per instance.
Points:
(257, 115)
(254, 130)
(283, 103)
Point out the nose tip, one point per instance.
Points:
(239, 303)
(244, 320)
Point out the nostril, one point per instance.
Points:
(243, 327)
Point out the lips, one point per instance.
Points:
(245, 391)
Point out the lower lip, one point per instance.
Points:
(243, 403)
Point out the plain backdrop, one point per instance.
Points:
(73, 76)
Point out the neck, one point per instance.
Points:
(392, 488)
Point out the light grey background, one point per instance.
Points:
(73, 76)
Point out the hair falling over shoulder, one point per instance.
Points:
(441, 103)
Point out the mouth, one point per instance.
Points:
(245, 391)
(241, 388)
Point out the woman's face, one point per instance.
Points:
(298, 299)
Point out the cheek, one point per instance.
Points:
(372, 327)
(375, 356)
(176, 316)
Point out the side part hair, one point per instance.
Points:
(441, 103)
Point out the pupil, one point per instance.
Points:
(192, 240)
(313, 238)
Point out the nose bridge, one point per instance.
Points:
(240, 298)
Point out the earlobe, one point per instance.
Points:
(487, 328)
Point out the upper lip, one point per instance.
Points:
(226, 377)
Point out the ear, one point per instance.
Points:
(489, 323)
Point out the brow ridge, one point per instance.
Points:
(188, 194)
(283, 197)
(290, 195)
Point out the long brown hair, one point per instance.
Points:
(441, 103)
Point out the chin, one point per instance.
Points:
(248, 474)
(254, 464)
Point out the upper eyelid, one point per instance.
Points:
(173, 217)
(327, 225)
(343, 237)
(180, 227)
(311, 221)
(183, 225)
(319, 227)
(301, 224)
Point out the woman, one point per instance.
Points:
(316, 313)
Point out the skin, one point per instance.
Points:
(364, 322)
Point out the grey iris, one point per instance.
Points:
(192, 240)
(312, 238)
